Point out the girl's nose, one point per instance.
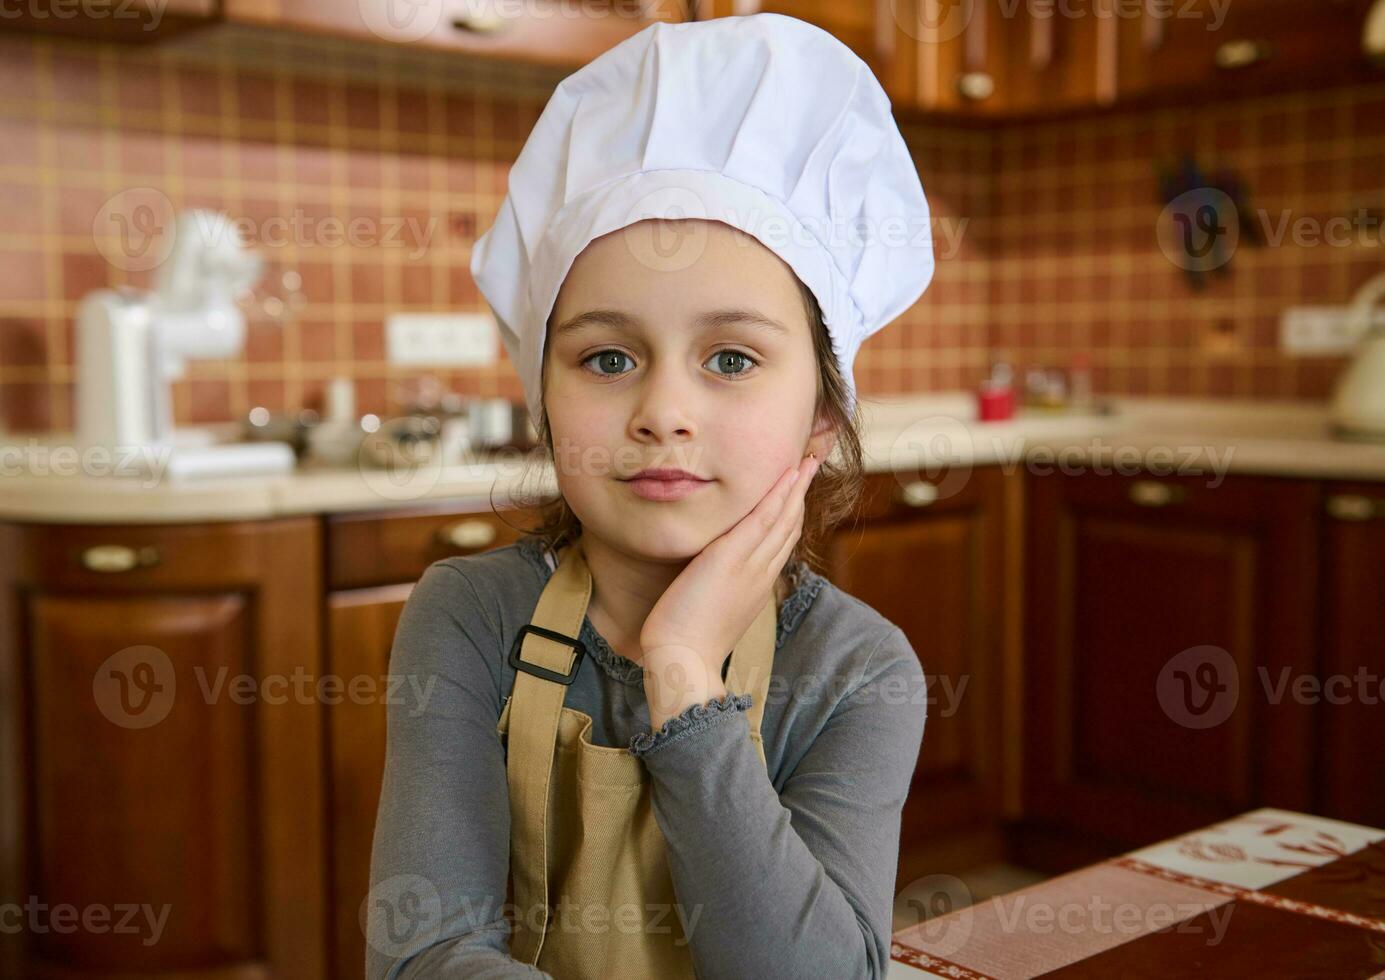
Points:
(664, 404)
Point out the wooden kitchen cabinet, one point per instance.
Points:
(128, 21)
(1200, 46)
(565, 33)
(993, 60)
(156, 752)
(933, 555)
(360, 632)
(1352, 716)
(956, 55)
(367, 548)
(988, 59)
(1162, 613)
(373, 561)
(1056, 64)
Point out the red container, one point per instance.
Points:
(995, 403)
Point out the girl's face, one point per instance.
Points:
(680, 344)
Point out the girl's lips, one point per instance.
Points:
(652, 489)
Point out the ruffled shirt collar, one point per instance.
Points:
(805, 585)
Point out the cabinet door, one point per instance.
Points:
(373, 559)
(955, 54)
(1056, 63)
(564, 33)
(162, 763)
(129, 21)
(929, 555)
(360, 632)
(1352, 715)
(1200, 46)
(1164, 616)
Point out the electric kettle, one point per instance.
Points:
(1358, 404)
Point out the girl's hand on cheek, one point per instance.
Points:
(701, 616)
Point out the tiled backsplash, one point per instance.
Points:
(372, 188)
(1078, 265)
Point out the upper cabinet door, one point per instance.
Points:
(1057, 63)
(127, 21)
(993, 59)
(1218, 45)
(962, 51)
(997, 59)
(550, 32)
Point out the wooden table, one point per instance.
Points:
(1270, 893)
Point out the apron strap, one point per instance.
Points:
(536, 705)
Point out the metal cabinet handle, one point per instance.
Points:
(975, 86)
(467, 535)
(480, 23)
(118, 557)
(918, 493)
(1152, 493)
(1355, 507)
(1242, 53)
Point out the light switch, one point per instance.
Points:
(442, 339)
(1321, 330)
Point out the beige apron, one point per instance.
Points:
(589, 866)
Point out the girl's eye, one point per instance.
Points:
(731, 362)
(607, 359)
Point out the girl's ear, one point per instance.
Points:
(824, 437)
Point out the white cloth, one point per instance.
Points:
(764, 122)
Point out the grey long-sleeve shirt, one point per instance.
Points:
(789, 871)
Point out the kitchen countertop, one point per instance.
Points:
(920, 434)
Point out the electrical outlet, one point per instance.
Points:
(1310, 330)
(441, 339)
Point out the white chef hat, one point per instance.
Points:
(764, 122)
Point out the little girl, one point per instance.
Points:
(654, 741)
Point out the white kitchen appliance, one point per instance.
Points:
(1373, 33)
(131, 344)
(1358, 404)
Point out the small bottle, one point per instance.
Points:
(337, 438)
(1056, 390)
(1035, 386)
(341, 400)
(1081, 383)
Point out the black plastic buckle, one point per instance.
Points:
(544, 672)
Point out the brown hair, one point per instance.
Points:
(831, 498)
